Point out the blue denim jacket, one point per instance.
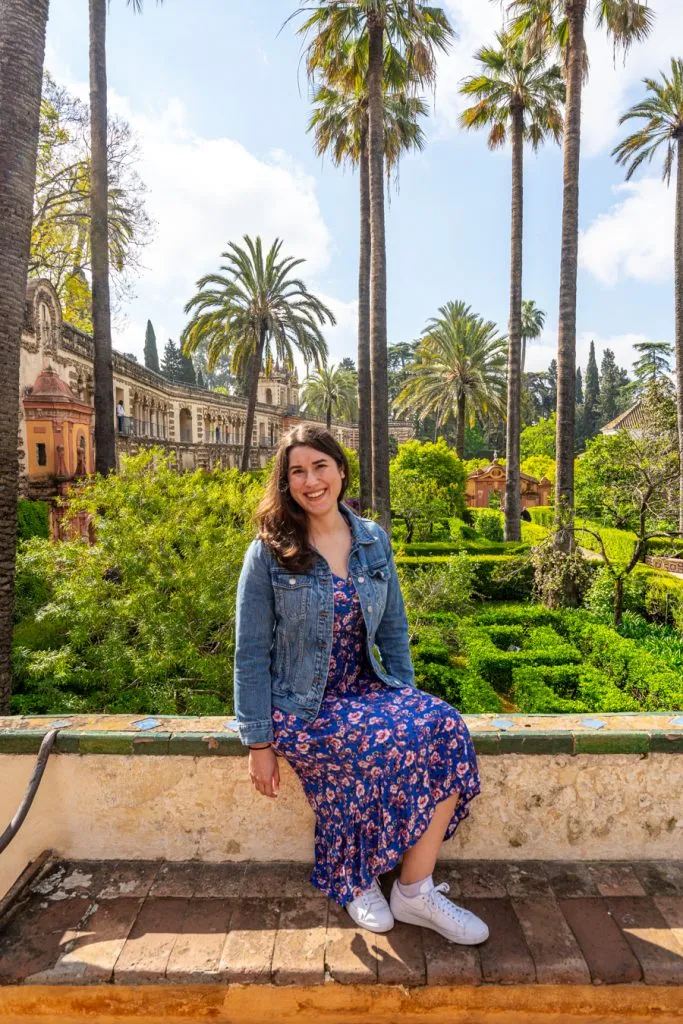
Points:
(284, 629)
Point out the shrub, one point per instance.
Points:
(533, 533)
(430, 652)
(506, 636)
(32, 519)
(488, 523)
(533, 696)
(477, 696)
(600, 596)
(497, 666)
(525, 615)
(459, 530)
(543, 515)
(145, 617)
(444, 585)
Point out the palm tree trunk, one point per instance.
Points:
(22, 48)
(514, 395)
(523, 352)
(378, 275)
(105, 438)
(566, 343)
(678, 259)
(460, 428)
(328, 416)
(254, 373)
(364, 393)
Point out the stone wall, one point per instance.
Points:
(181, 791)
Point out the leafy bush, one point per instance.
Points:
(445, 584)
(488, 523)
(32, 519)
(526, 615)
(143, 621)
(600, 596)
(460, 531)
(506, 636)
(543, 515)
(533, 696)
(477, 696)
(533, 533)
(497, 666)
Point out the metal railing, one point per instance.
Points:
(128, 426)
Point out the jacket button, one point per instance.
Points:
(292, 581)
(370, 608)
(361, 579)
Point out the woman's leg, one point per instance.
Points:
(419, 860)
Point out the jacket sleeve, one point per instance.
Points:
(254, 625)
(392, 634)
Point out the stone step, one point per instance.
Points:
(117, 927)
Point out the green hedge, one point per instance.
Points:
(543, 515)
(497, 666)
(648, 680)
(533, 696)
(32, 519)
(442, 549)
(497, 577)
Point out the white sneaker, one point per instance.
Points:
(370, 910)
(431, 909)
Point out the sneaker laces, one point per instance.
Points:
(446, 906)
(372, 898)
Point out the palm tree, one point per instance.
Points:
(22, 49)
(105, 437)
(407, 32)
(519, 99)
(254, 309)
(459, 371)
(340, 125)
(662, 112)
(330, 391)
(562, 22)
(533, 322)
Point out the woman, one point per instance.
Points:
(388, 770)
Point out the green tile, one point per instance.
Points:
(529, 742)
(197, 744)
(151, 743)
(105, 743)
(486, 742)
(68, 742)
(611, 742)
(663, 742)
(21, 741)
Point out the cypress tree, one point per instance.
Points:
(170, 364)
(552, 382)
(187, 374)
(201, 383)
(579, 387)
(591, 401)
(610, 383)
(151, 354)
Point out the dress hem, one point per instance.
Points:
(451, 829)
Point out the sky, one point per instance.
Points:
(217, 95)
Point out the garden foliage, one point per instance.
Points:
(142, 621)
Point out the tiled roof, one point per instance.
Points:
(629, 420)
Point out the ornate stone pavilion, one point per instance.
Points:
(204, 428)
(481, 483)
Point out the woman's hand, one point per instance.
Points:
(263, 771)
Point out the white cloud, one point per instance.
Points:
(476, 24)
(203, 193)
(635, 237)
(540, 353)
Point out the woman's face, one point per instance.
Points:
(315, 480)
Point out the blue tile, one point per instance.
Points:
(503, 723)
(592, 723)
(232, 726)
(146, 723)
(677, 721)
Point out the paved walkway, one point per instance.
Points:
(139, 923)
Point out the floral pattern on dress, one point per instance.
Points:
(374, 763)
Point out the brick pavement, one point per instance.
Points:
(142, 923)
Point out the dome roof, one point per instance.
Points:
(50, 389)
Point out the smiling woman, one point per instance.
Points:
(388, 770)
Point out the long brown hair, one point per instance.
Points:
(281, 521)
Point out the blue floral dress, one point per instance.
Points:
(374, 763)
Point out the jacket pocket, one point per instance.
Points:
(292, 595)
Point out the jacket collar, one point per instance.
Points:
(360, 532)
